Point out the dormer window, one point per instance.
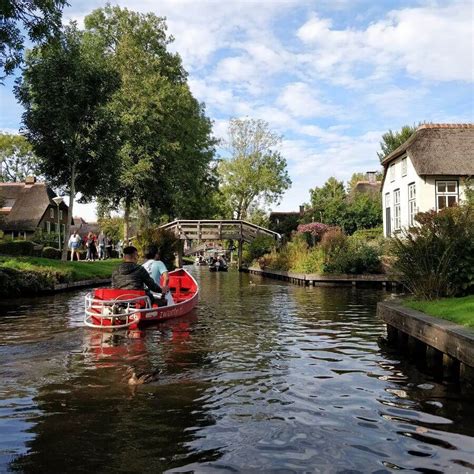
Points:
(404, 166)
(392, 172)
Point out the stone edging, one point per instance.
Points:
(445, 336)
(315, 279)
(79, 284)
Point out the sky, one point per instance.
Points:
(330, 76)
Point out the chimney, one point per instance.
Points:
(371, 176)
(30, 180)
(302, 209)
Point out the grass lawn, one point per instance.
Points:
(457, 310)
(72, 271)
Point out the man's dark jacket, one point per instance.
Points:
(130, 276)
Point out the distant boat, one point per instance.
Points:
(218, 266)
(110, 308)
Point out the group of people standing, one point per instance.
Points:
(98, 247)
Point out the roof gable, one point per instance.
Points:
(439, 149)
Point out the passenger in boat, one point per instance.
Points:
(157, 270)
(131, 276)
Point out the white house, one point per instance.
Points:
(429, 171)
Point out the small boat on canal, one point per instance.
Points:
(218, 266)
(109, 308)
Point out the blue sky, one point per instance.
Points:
(331, 76)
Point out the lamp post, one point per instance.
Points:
(58, 200)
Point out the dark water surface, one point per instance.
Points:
(266, 377)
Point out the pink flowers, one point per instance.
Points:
(315, 229)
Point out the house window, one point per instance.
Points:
(60, 215)
(397, 222)
(392, 172)
(446, 194)
(51, 212)
(404, 166)
(56, 228)
(387, 200)
(48, 227)
(411, 204)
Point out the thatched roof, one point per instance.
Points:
(30, 202)
(439, 149)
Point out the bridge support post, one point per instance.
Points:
(179, 255)
(239, 253)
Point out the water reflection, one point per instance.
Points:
(261, 377)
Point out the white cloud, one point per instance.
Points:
(427, 42)
(302, 100)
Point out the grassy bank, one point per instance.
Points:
(30, 275)
(457, 310)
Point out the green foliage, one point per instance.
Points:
(67, 121)
(43, 238)
(392, 140)
(167, 146)
(17, 160)
(112, 227)
(51, 252)
(369, 234)
(333, 206)
(256, 171)
(17, 247)
(258, 247)
(166, 241)
(458, 310)
(436, 258)
(349, 255)
(39, 19)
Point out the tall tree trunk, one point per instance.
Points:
(72, 195)
(126, 222)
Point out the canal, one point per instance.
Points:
(264, 376)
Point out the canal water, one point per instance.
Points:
(263, 376)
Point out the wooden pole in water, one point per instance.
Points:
(239, 253)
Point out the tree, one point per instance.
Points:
(331, 205)
(256, 171)
(17, 160)
(392, 140)
(65, 89)
(39, 19)
(167, 145)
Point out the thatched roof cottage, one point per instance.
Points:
(429, 171)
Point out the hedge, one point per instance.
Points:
(17, 247)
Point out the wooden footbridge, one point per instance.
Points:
(199, 230)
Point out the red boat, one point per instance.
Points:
(109, 308)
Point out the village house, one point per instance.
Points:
(430, 171)
(28, 207)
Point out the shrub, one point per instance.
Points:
(17, 247)
(436, 258)
(51, 252)
(368, 234)
(166, 241)
(313, 231)
(258, 247)
(43, 238)
(351, 255)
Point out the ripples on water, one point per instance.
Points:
(269, 377)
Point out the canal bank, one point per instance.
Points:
(314, 279)
(29, 276)
(446, 348)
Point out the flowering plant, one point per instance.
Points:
(315, 229)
